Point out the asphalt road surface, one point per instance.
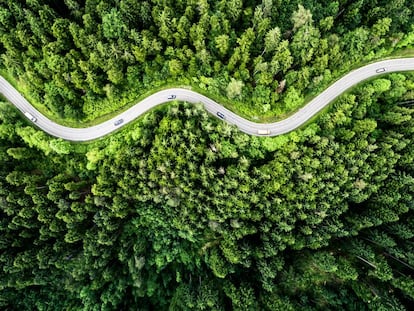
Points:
(260, 129)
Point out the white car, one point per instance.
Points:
(30, 117)
(263, 132)
(380, 70)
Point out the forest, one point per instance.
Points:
(180, 211)
(77, 60)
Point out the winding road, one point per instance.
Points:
(261, 129)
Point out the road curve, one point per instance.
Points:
(262, 129)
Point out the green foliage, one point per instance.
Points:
(112, 24)
(234, 88)
(182, 212)
(85, 59)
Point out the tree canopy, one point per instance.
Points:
(180, 211)
(84, 59)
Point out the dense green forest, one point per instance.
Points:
(81, 59)
(179, 211)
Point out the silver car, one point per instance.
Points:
(118, 122)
